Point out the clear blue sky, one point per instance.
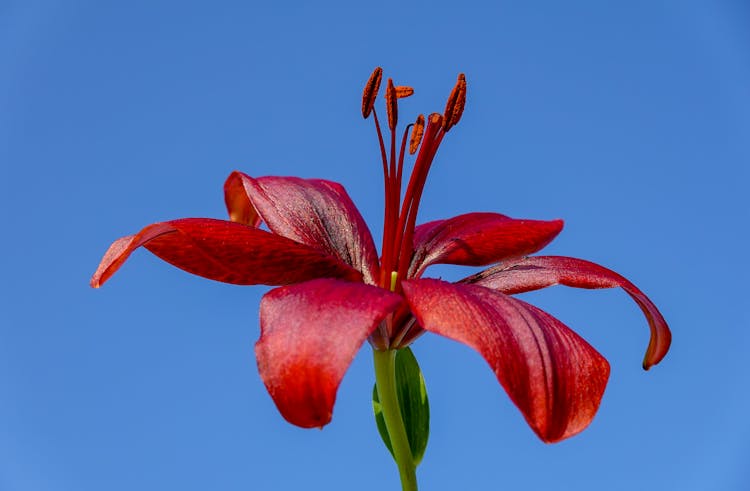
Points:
(630, 120)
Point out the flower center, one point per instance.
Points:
(400, 215)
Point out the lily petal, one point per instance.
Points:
(477, 239)
(310, 333)
(225, 251)
(237, 199)
(534, 273)
(554, 377)
(317, 213)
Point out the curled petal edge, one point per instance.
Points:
(225, 251)
(237, 199)
(537, 272)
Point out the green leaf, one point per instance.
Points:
(413, 402)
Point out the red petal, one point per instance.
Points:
(554, 377)
(476, 239)
(534, 273)
(225, 251)
(317, 213)
(310, 333)
(237, 199)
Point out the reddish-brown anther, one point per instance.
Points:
(454, 108)
(391, 105)
(417, 132)
(403, 91)
(335, 292)
(371, 91)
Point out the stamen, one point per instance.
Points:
(416, 135)
(371, 92)
(391, 105)
(401, 156)
(403, 91)
(456, 102)
(394, 277)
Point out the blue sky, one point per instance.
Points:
(630, 120)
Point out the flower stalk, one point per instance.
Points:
(385, 379)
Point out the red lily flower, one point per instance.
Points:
(335, 292)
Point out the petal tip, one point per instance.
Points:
(316, 422)
(234, 175)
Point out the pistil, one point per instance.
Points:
(408, 216)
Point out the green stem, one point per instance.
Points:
(385, 378)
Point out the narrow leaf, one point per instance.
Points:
(413, 403)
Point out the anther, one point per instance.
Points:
(391, 105)
(403, 91)
(416, 135)
(371, 92)
(456, 102)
